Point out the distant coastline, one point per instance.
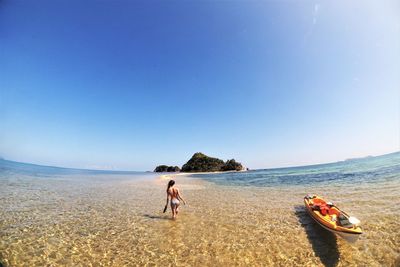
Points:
(359, 158)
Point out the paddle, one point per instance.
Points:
(165, 209)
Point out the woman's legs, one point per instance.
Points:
(174, 209)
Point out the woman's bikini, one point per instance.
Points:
(174, 196)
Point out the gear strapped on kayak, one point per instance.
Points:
(330, 217)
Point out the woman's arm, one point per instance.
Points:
(180, 197)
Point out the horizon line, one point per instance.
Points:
(270, 168)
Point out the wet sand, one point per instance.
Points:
(61, 223)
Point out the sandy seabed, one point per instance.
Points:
(68, 222)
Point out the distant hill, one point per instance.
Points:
(203, 163)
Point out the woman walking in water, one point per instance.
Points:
(175, 197)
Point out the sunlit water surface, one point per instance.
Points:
(59, 217)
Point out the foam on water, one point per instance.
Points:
(102, 219)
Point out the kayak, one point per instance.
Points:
(332, 218)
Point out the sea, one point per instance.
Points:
(53, 216)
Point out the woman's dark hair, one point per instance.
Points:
(170, 183)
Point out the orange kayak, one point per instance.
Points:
(332, 218)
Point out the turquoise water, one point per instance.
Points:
(66, 217)
(363, 170)
(12, 169)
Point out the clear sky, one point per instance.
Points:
(129, 85)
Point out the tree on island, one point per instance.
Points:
(232, 165)
(203, 163)
(165, 168)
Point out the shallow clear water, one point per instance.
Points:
(56, 218)
(363, 170)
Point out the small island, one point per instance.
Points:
(200, 162)
(165, 168)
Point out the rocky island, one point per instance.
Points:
(165, 168)
(203, 163)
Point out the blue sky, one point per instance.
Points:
(130, 85)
